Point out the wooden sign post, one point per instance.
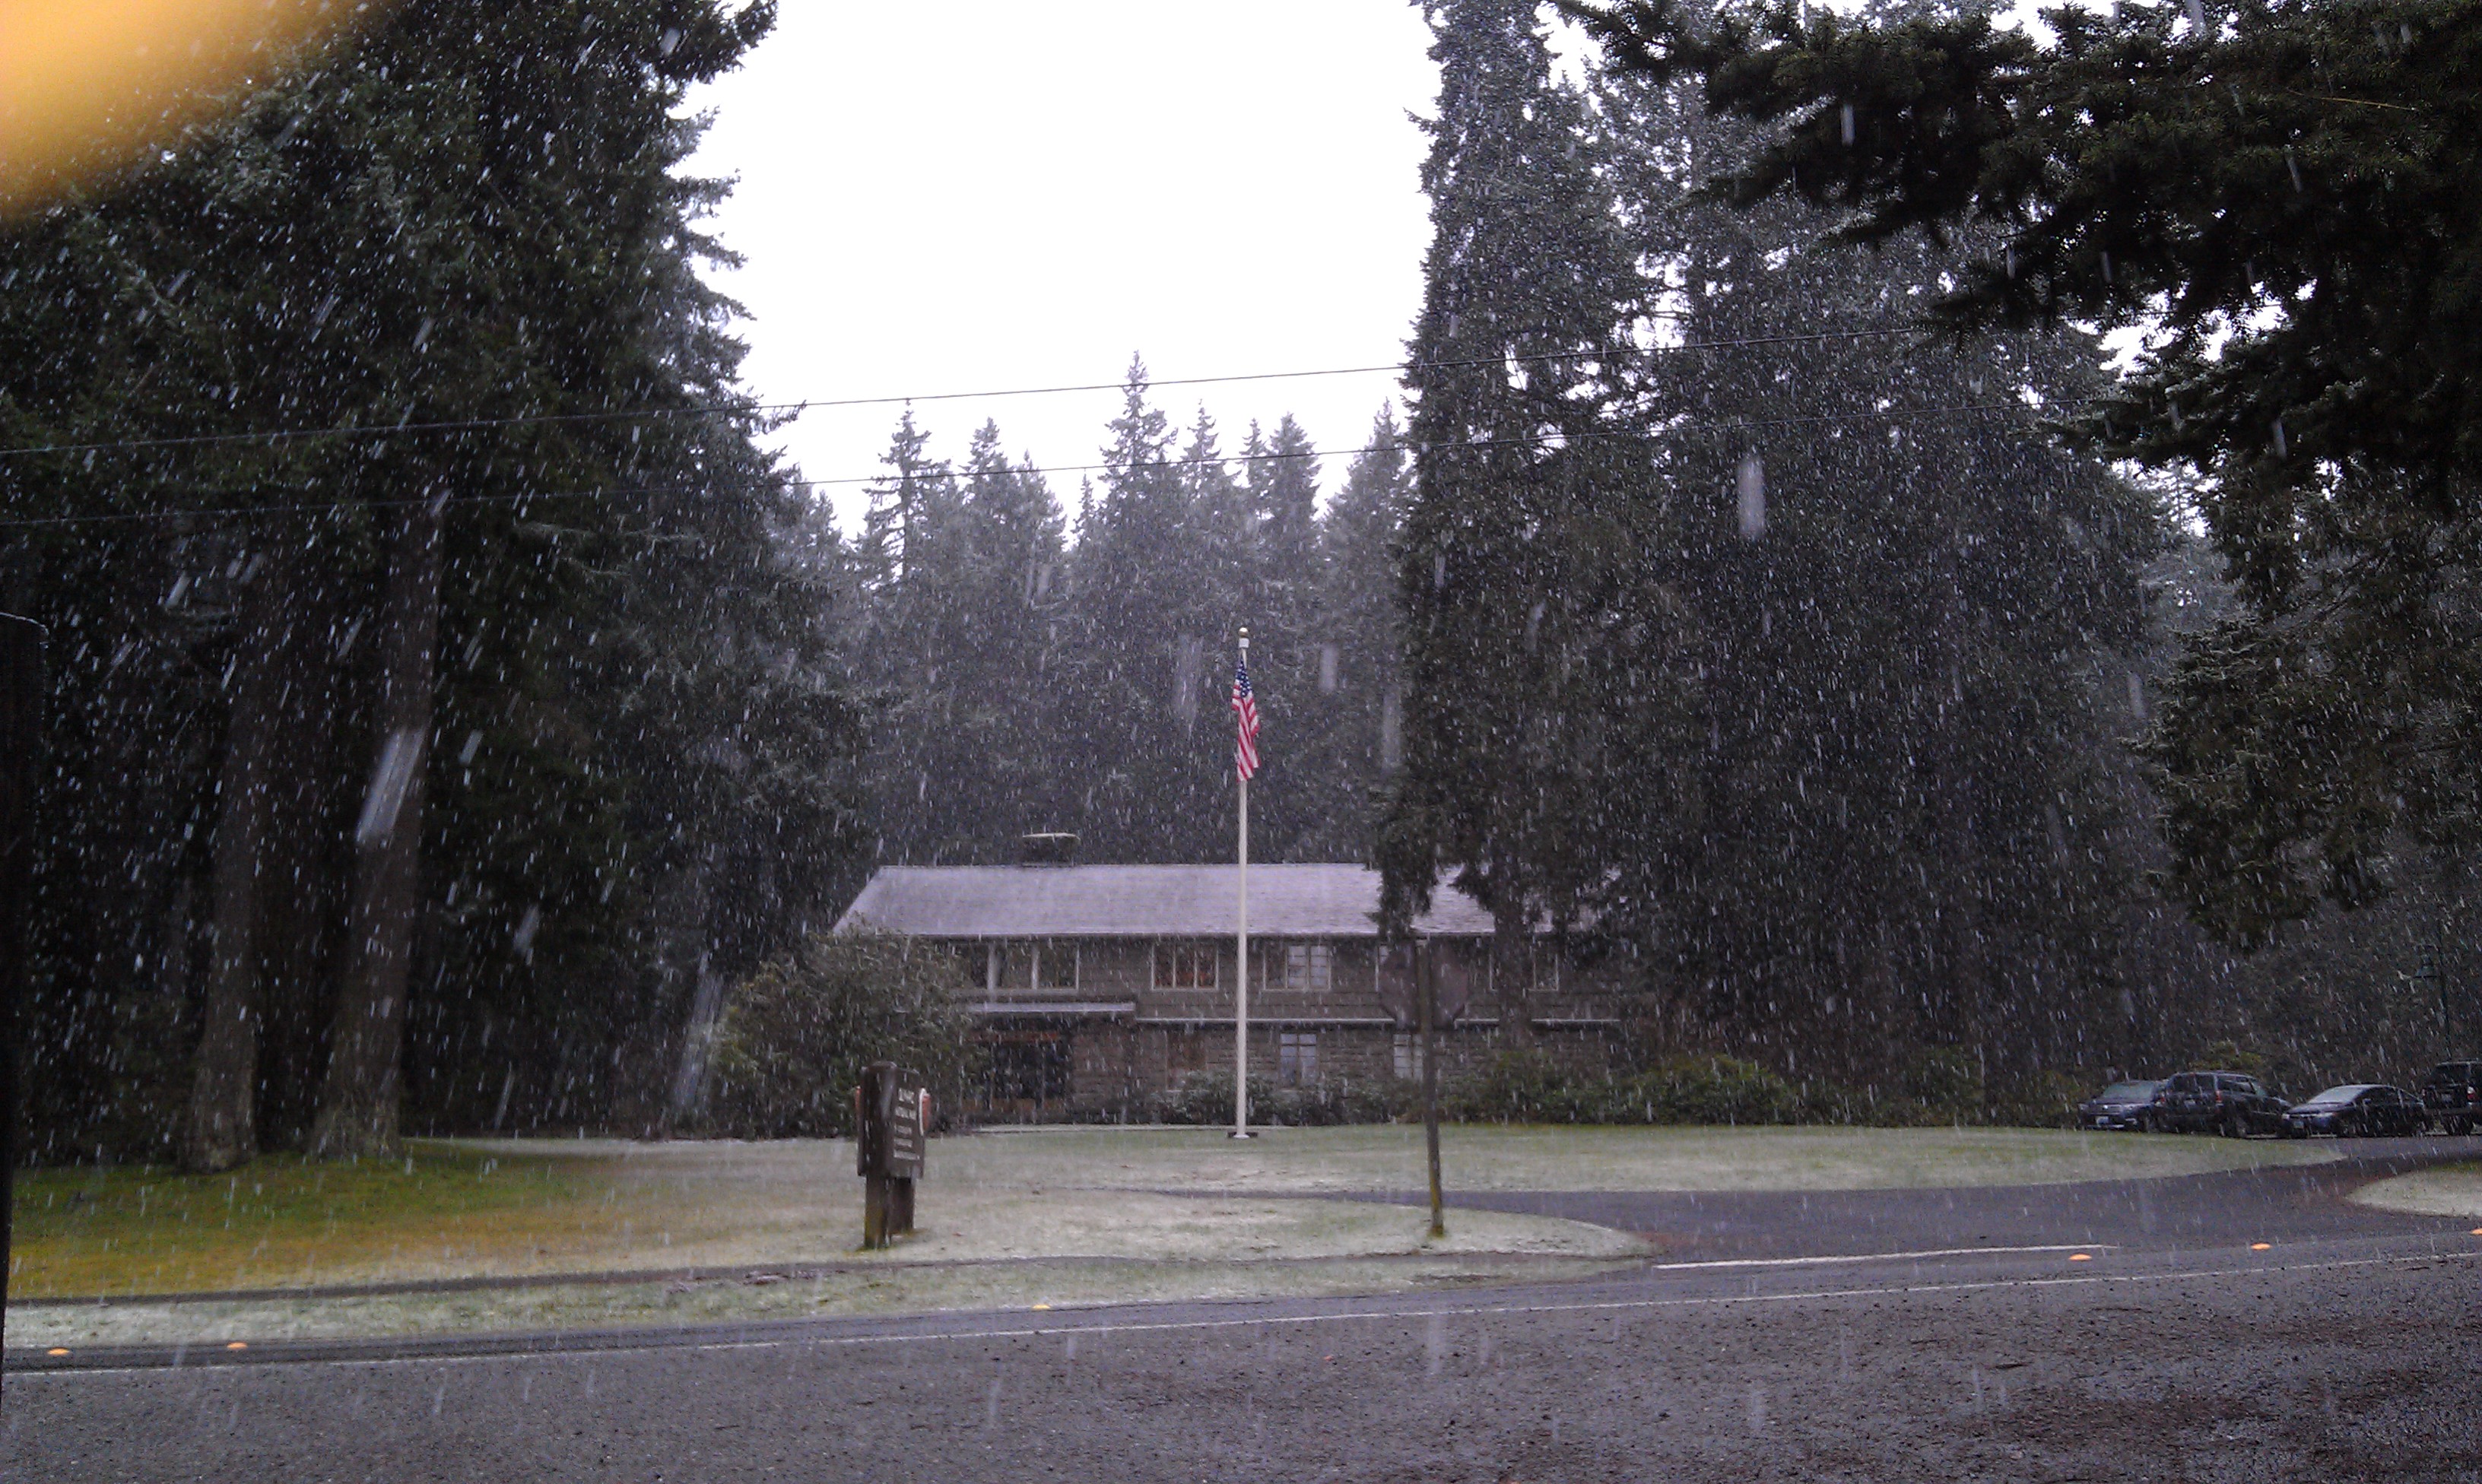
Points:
(892, 1123)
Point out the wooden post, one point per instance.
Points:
(1427, 994)
(870, 1139)
(874, 1212)
(900, 1206)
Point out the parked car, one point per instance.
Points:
(2452, 1094)
(2365, 1108)
(2230, 1104)
(2122, 1105)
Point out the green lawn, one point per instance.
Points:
(283, 1221)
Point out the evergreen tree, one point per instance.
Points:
(1280, 602)
(958, 645)
(582, 728)
(1348, 671)
(1902, 594)
(2285, 193)
(1533, 671)
(1150, 626)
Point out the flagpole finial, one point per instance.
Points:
(1245, 636)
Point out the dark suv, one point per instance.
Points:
(2452, 1095)
(2231, 1104)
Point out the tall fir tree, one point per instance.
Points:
(534, 672)
(1347, 665)
(1149, 613)
(2282, 196)
(1525, 638)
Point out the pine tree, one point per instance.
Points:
(2285, 193)
(957, 647)
(1349, 668)
(1282, 596)
(447, 219)
(1150, 620)
(1525, 635)
(1900, 594)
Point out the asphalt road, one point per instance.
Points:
(2349, 1347)
(2283, 1204)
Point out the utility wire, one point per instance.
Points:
(228, 512)
(797, 408)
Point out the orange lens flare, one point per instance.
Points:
(88, 86)
(238, 1344)
(2260, 1246)
(2080, 1256)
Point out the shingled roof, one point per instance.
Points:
(1141, 901)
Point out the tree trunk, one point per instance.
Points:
(308, 869)
(1511, 972)
(698, 1045)
(221, 1130)
(358, 1101)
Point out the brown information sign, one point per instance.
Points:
(904, 1133)
(892, 1117)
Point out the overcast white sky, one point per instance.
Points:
(984, 194)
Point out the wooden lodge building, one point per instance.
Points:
(1099, 987)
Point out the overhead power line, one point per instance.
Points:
(824, 403)
(230, 512)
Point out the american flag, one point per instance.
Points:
(1245, 752)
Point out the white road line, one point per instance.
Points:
(1872, 1256)
(1033, 1332)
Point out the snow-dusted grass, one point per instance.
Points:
(516, 1209)
(1034, 1287)
(1169, 1196)
(2450, 1191)
(1388, 1157)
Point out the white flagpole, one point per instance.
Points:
(1241, 962)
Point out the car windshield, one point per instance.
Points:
(2334, 1097)
(1425, 740)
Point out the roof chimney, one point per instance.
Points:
(1047, 849)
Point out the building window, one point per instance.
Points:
(1034, 966)
(1297, 1057)
(1184, 966)
(1028, 1071)
(1301, 966)
(1408, 1051)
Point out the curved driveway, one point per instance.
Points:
(2272, 1203)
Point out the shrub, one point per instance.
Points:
(1527, 1087)
(1945, 1084)
(1713, 1090)
(2041, 1100)
(1514, 1086)
(1205, 1098)
(2227, 1056)
(796, 1035)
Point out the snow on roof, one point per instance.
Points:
(1141, 901)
